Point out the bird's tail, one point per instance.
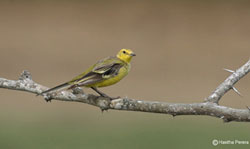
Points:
(56, 88)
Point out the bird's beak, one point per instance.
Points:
(133, 54)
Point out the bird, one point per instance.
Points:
(105, 72)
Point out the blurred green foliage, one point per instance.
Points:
(115, 129)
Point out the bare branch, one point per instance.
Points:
(228, 83)
(210, 108)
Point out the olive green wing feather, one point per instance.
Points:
(102, 70)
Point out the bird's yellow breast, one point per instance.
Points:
(121, 74)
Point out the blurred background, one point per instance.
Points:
(181, 46)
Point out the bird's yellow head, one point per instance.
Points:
(125, 55)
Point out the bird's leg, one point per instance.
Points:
(103, 94)
(100, 93)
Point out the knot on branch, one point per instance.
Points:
(25, 75)
(78, 90)
(103, 103)
(48, 97)
(117, 103)
(122, 103)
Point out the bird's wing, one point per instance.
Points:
(102, 70)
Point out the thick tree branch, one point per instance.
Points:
(210, 107)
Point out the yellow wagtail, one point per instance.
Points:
(104, 73)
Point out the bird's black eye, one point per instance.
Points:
(124, 52)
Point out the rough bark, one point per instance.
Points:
(209, 107)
